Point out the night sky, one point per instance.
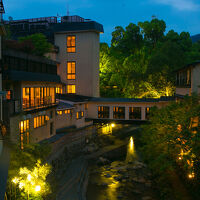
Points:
(180, 15)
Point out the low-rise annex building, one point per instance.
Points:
(188, 79)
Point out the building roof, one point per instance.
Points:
(188, 66)
(130, 100)
(64, 105)
(78, 26)
(30, 76)
(73, 97)
(23, 55)
(80, 98)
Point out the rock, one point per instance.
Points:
(146, 198)
(138, 180)
(148, 184)
(118, 178)
(103, 161)
(107, 175)
(136, 192)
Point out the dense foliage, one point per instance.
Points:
(27, 161)
(142, 59)
(171, 143)
(38, 42)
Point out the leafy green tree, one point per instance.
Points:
(40, 43)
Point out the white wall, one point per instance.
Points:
(86, 58)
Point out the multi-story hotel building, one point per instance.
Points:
(77, 44)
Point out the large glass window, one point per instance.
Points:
(134, 113)
(24, 133)
(71, 89)
(71, 70)
(39, 121)
(118, 112)
(103, 111)
(71, 44)
(38, 96)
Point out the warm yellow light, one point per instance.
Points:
(191, 175)
(21, 185)
(37, 188)
(180, 158)
(15, 180)
(29, 177)
(113, 125)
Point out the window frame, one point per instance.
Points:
(71, 74)
(71, 46)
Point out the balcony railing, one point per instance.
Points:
(36, 103)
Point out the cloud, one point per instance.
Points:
(182, 5)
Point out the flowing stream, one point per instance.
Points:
(126, 179)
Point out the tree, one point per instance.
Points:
(142, 60)
(40, 43)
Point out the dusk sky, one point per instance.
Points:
(180, 15)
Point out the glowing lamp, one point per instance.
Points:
(37, 188)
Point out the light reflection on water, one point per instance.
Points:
(108, 188)
(131, 153)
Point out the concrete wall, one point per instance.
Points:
(36, 134)
(184, 91)
(86, 58)
(93, 108)
(67, 120)
(195, 79)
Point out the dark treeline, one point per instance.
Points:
(142, 59)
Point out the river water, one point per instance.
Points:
(126, 178)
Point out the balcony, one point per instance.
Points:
(37, 103)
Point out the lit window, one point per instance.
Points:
(77, 115)
(71, 70)
(135, 112)
(39, 121)
(82, 114)
(103, 111)
(24, 133)
(8, 95)
(58, 90)
(71, 89)
(118, 112)
(71, 44)
(59, 112)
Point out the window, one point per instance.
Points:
(79, 115)
(103, 111)
(134, 113)
(82, 114)
(71, 70)
(71, 89)
(67, 111)
(58, 90)
(37, 97)
(71, 44)
(86, 106)
(147, 113)
(59, 112)
(8, 95)
(39, 121)
(118, 112)
(51, 128)
(24, 133)
(51, 114)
